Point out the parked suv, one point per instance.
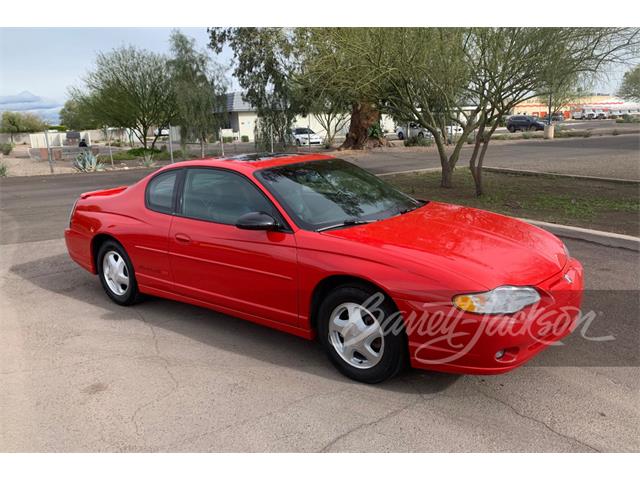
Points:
(523, 122)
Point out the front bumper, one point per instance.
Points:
(442, 338)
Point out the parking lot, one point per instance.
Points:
(79, 373)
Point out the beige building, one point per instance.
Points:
(538, 106)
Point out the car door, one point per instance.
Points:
(250, 271)
(148, 239)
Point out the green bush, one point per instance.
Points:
(497, 137)
(375, 131)
(3, 170)
(227, 139)
(418, 142)
(140, 152)
(615, 132)
(6, 148)
(527, 135)
(244, 138)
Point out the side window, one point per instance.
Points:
(159, 196)
(221, 197)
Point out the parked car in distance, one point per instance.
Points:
(414, 130)
(557, 117)
(305, 136)
(523, 122)
(317, 247)
(161, 132)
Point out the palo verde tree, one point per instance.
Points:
(264, 65)
(630, 88)
(199, 84)
(511, 65)
(20, 122)
(130, 88)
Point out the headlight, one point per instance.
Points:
(501, 300)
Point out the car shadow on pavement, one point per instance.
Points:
(58, 274)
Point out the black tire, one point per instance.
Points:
(132, 294)
(394, 345)
(511, 128)
(400, 136)
(298, 143)
(421, 135)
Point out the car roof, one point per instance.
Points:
(251, 162)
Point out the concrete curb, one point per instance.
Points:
(558, 175)
(607, 239)
(418, 170)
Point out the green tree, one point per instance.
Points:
(264, 66)
(76, 116)
(630, 87)
(130, 88)
(18, 122)
(199, 85)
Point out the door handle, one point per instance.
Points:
(182, 238)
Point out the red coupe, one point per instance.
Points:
(318, 247)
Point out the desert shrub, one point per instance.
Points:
(141, 152)
(6, 148)
(244, 138)
(615, 132)
(3, 170)
(227, 139)
(418, 142)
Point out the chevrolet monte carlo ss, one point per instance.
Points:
(317, 247)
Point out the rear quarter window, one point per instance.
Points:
(160, 193)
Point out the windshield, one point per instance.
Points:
(304, 131)
(328, 193)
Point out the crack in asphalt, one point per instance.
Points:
(372, 423)
(176, 385)
(536, 420)
(256, 418)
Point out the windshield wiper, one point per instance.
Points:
(346, 223)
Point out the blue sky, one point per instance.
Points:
(37, 65)
(44, 62)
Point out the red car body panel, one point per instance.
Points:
(420, 259)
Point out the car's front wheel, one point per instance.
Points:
(116, 273)
(362, 334)
(511, 128)
(400, 136)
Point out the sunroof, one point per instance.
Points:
(256, 157)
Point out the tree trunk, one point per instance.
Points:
(201, 147)
(363, 115)
(446, 180)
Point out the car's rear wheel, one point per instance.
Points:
(361, 333)
(421, 135)
(116, 273)
(400, 136)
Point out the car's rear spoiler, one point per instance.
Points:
(102, 193)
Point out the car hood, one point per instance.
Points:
(488, 248)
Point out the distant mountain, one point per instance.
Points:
(26, 101)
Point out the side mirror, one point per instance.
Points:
(257, 221)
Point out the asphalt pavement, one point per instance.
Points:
(79, 373)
